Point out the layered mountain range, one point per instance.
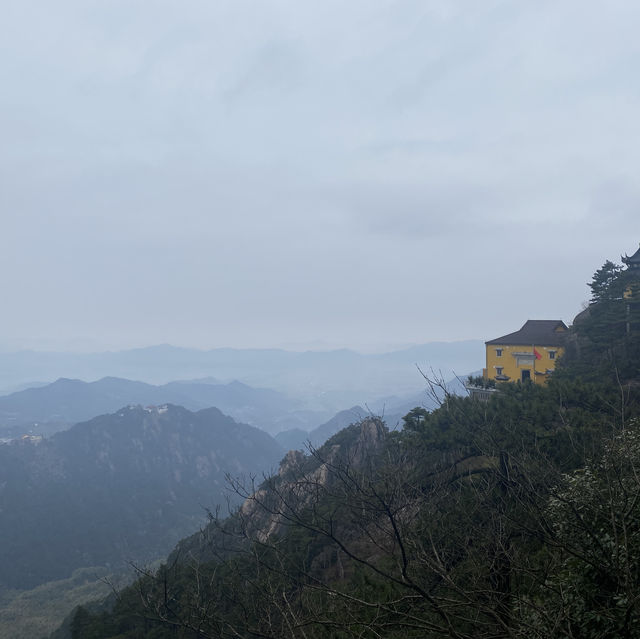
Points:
(52, 407)
(324, 380)
(46, 409)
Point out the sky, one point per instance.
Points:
(274, 173)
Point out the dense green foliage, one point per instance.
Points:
(592, 588)
(447, 529)
(604, 342)
(515, 517)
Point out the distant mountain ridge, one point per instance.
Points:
(122, 486)
(67, 401)
(326, 380)
(391, 409)
(296, 439)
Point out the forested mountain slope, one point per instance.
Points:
(459, 526)
(119, 487)
(517, 517)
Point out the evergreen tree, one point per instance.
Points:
(606, 284)
(605, 339)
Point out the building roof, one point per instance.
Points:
(633, 261)
(540, 332)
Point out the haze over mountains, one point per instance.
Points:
(325, 380)
(126, 468)
(120, 487)
(47, 409)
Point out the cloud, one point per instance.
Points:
(419, 211)
(319, 155)
(615, 202)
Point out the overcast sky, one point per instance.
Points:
(369, 174)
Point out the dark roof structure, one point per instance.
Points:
(632, 262)
(541, 332)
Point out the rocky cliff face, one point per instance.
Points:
(300, 477)
(268, 508)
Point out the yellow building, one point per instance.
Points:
(528, 354)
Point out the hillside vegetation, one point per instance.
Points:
(518, 517)
(36, 613)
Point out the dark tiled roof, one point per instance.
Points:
(634, 260)
(540, 332)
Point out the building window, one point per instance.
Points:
(498, 352)
(552, 354)
(499, 370)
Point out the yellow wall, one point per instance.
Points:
(632, 290)
(509, 362)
